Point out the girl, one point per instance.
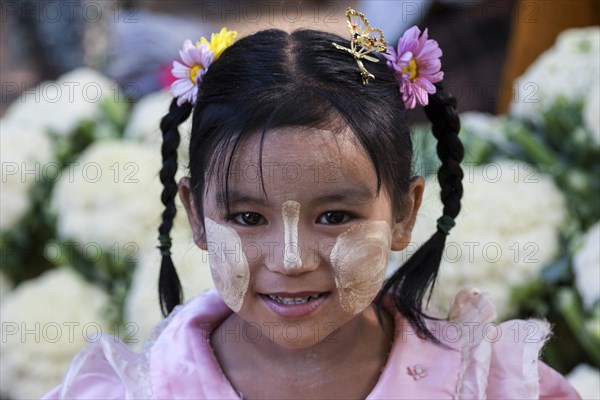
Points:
(300, 186)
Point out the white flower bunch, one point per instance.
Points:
(45, 322)
(486, 126)
(60, 105)
(586, 380)
(590, 112)
(5, 285)
(506, 232)
(142, 307)
(586, 264)
(567, 69)
(26, 155)
(111, 195)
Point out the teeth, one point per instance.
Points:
(293, 300)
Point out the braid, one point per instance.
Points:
(411, 282)
(441, 111)
(169, 287)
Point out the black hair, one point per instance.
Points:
(275, 79)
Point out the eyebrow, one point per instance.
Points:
(238, 197)
(350, 195)
(353, 195)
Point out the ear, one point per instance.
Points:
(189, 203)
(403, 226)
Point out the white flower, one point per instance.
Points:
(45, 322)
(142, 307)
(196, 60)
(567, 69)
(5, 285)
(486, 126)
(586, 380)
(506, 232)
(61, 105)
(25, 154)
(586, 264)
(144, 123)
(591, 116)
(111, 195)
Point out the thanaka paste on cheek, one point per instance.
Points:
(228, 264)
(290, 211)
(359, 259)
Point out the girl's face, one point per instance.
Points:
(311, 255)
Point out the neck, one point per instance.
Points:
(341, 346)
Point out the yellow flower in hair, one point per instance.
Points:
(219, 41)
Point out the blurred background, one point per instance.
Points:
(85, 83)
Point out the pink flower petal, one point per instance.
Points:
(185, 53)
(428, 70)
(405, 57)
(430, 50)
(422, 96)
(414, 45)
(180, 71)
(184, 88)
(181, 86)
(202, 55)
(390, 55)
(424, 85)
(408, 39)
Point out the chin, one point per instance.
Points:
(296, 335)
(263, 326)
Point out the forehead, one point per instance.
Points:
(297, 163)
(300, 145)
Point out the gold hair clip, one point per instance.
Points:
(364, 40)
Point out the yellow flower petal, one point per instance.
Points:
(219, 41)
(412, 69)
(194, 72)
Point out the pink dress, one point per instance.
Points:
(484, 360)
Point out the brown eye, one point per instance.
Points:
(333, 217)
(248, 218)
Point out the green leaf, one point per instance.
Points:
(569, 307)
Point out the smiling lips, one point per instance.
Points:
(293, 300)
(294, 305)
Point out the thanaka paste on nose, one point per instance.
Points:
(228, 264)
(290, 210)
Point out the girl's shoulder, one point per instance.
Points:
(478, 358)
(177, 351)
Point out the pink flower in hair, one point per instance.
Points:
(416, 66)
(196, 60)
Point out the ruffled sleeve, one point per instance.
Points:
(177, 361)
(501, 361)
(105, 370)
(553, 385)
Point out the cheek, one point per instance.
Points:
(228, 264)
(359, 260)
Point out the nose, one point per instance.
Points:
(297, 255)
